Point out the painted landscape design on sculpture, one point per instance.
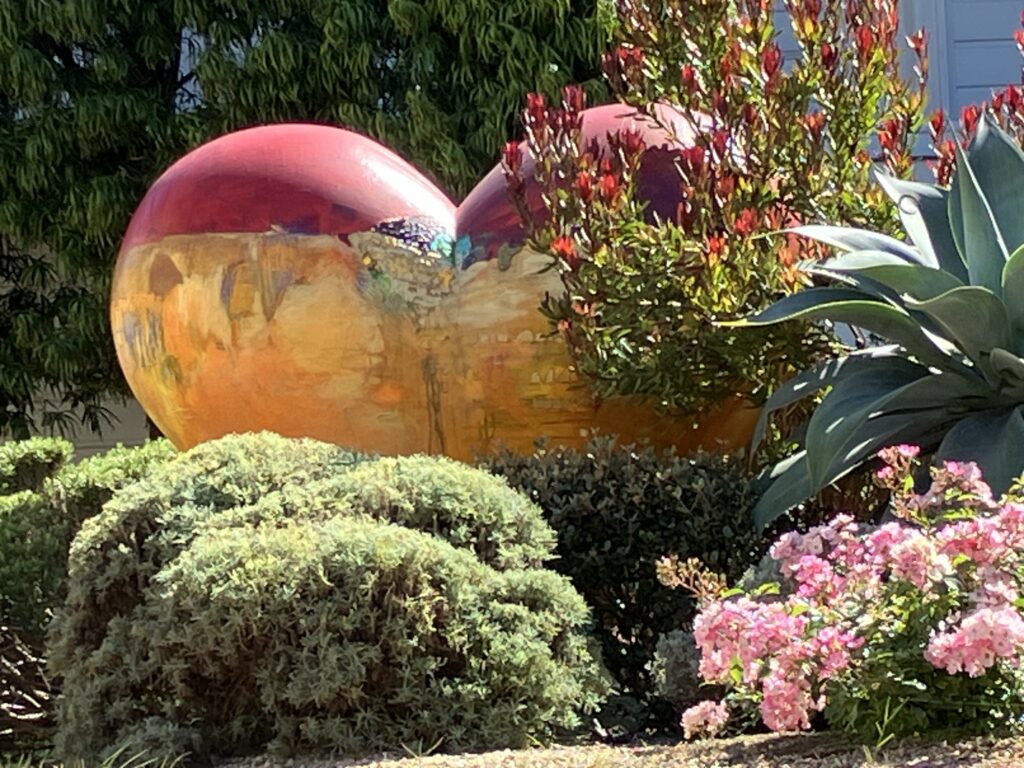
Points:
(305, 280)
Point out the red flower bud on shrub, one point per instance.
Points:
(746, 223)
(692, 161)
(889, 135)
(937, 123)
(564, 248)
(631, 141)
(1018, 35)
(715, 247)
(828, 57)
(719, 142)
(726, 186)
(513, 157)
(609, 187)
(969, 117)
(771, 61)
(574, 98)
(536, 110)
(584, 186)
(815, 124)
(865, 44)
(918, 42)
(1014, 98)
(688, 78)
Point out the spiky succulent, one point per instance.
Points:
(950, 302)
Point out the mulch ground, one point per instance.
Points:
(805, 751)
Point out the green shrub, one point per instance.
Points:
(25, 464)
(244, 596)
(616, 511)
(31, 564)
(676, 670)
(80, 490)
(460, 504)
(37, 525)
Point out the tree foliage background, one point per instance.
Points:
(98, 97)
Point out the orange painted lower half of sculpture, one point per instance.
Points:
(223, 333)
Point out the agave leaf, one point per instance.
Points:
(851, 239)
(796, 305)
(905, 279)
(974, 318)
(853, 400)
(973, 220)
(994, 440)
(853, 307)
(923, 209)
(791, 484)
(851, 261)
(997, 164)
(1013, 294)
(815, 379)
(1010, 369)
(895, 283)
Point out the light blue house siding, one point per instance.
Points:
(971, 46)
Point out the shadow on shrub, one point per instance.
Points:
(254, 593)
(46, 500)
(617, 510)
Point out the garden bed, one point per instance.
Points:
(763, 751)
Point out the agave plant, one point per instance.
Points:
(950, 302)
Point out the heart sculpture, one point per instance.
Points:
(306, 280)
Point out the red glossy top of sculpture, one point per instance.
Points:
(310, 179)
(490, 220)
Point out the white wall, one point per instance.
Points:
(130, 428)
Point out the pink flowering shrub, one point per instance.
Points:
(913, 625)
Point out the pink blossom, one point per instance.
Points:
(916, 559)
(995, 588)
(1011, 521)
(743, 632)
(982, 638)
(705, 719)
(844, 598)
(982, 539)
(894, 453)
(787, 703)
(880, 542)
(814, 576)
(832, 647)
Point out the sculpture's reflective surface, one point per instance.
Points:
(305, 280)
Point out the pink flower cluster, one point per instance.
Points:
(705, 719)
(983, 637)
(768, 646)
(956, 554)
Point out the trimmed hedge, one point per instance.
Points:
(462, 505)
(253, 593)
(38, 522)
(26, 464)
(617, 510)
